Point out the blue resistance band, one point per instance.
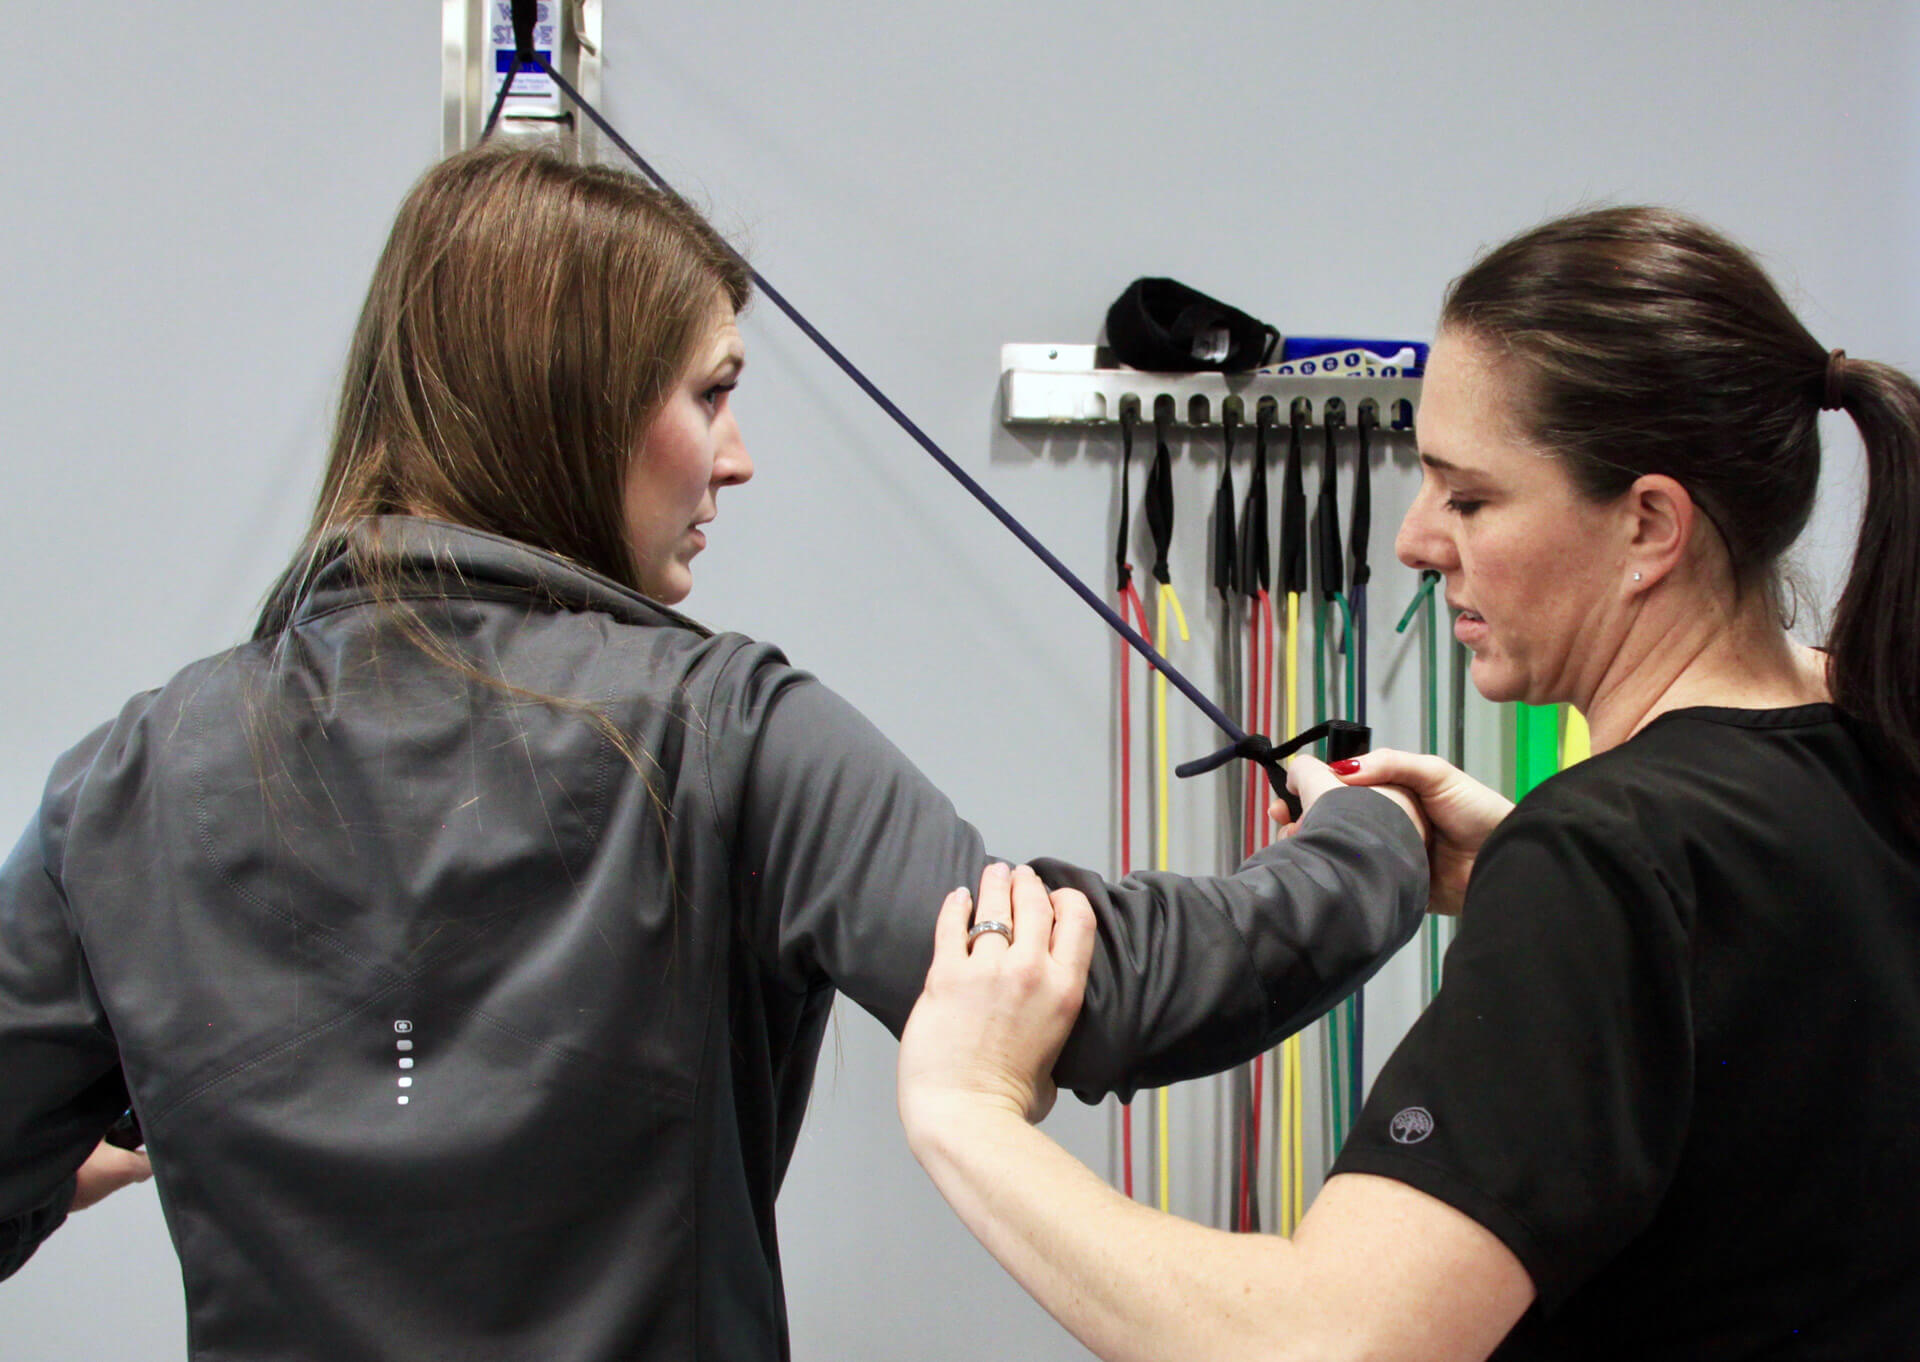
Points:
(1345, 739)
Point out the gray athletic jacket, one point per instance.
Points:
(457, 1031)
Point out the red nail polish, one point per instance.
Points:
(1343, 768)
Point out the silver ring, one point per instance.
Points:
(982, 928)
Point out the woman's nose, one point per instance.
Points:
(1422, 542)
(732, 465)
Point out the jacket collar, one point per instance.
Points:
(443, 559)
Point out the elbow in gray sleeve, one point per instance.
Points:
(1192, 976)
(1371, 848)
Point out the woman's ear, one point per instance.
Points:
(1660, 519)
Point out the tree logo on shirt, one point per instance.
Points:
(1411, 1125)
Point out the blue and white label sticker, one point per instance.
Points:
(1348, 364)
(534, 93)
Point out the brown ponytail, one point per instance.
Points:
(1875, 641)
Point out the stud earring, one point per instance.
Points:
(1636, 576)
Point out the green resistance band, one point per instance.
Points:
(1432, 947)
(1340, 1023)
(1536, 746)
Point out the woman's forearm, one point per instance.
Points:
(1377, 1269)
(1132, 1284)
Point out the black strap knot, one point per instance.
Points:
(1344, 739)
(1255, 747)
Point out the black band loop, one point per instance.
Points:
(525, 14)
(1253, 747)
(1344, 739)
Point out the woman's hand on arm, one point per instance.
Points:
(1460, 813)
(995, 1013)
(1379, 1270)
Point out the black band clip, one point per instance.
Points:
(1344, 739)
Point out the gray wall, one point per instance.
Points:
(196, 193)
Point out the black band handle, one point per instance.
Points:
(1293, 503)
(1122, 568)
(1368, 422)
(1226, 550)
(1160, 497)
(1327, 519)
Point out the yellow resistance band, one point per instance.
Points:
(1576, 741)
(1292, 1150)
(1162, 769)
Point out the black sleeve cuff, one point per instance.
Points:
(20, 1236)
(1550, 1288)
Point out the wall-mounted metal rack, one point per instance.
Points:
(474, 37)
(1081, 385)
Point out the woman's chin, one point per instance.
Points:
(670, 587)
(1495, 682)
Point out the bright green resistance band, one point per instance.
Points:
(1536, 746)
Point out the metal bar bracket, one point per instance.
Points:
(476, 43)
(1081, 385)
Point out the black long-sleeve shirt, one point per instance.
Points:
(1675, 1062)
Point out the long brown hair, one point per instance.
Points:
(1646, 342)
(527, 319)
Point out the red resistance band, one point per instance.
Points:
(1130, 604)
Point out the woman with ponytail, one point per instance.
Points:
(1666, 1104)
(1874, 645)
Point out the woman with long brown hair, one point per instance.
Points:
(464, 942)
(1666, 1104)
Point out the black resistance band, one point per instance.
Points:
(1226, 551)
